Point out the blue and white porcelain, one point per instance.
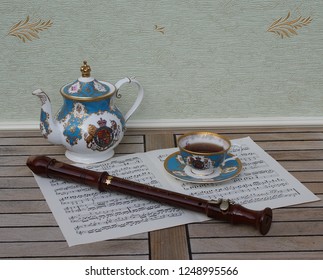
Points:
(88, 124)
(175, 166)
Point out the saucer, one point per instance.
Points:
(182, 172)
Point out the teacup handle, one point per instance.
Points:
(139, 96)
(235, 156)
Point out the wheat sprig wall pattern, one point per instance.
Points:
(27, 30)
(285, 27)
(160, 29)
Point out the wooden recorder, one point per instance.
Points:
(221, 209)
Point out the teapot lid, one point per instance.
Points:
(86, 88)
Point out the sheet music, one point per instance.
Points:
(85, 215)
(263, 182)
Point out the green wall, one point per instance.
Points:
(196, 59)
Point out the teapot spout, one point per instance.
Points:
(48, 127)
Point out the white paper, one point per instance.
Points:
(263, 182)
(85, 215)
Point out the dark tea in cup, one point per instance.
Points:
(205, 148)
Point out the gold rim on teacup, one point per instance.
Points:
(204, 133)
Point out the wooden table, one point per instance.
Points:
(28, 229)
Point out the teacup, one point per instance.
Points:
(205, 153)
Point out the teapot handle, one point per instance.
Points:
(139, 97)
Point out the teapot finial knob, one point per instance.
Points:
(85, 69)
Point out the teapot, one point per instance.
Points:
(88, 124)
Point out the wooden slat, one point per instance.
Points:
(298, 214)
(220, 229)
(256, 244)
(20, 160)
(132, 139)
(60, 150)
(20, 195)
(61, 249)
(26, 141)
(313, 204)
(17, 182)
(20, 133)
(24, 206)
(168, 243)
(130, 148)
(31, 150)
(295, 155)
(289, 255)
(40, 141)
(291, 145)
(100, 258)
(15, 171)
(264, 137)
(34, 234)
(53, 150)
(308, 176)
(27, 220)
(315, 187)
(37, 234)
(303, 165)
